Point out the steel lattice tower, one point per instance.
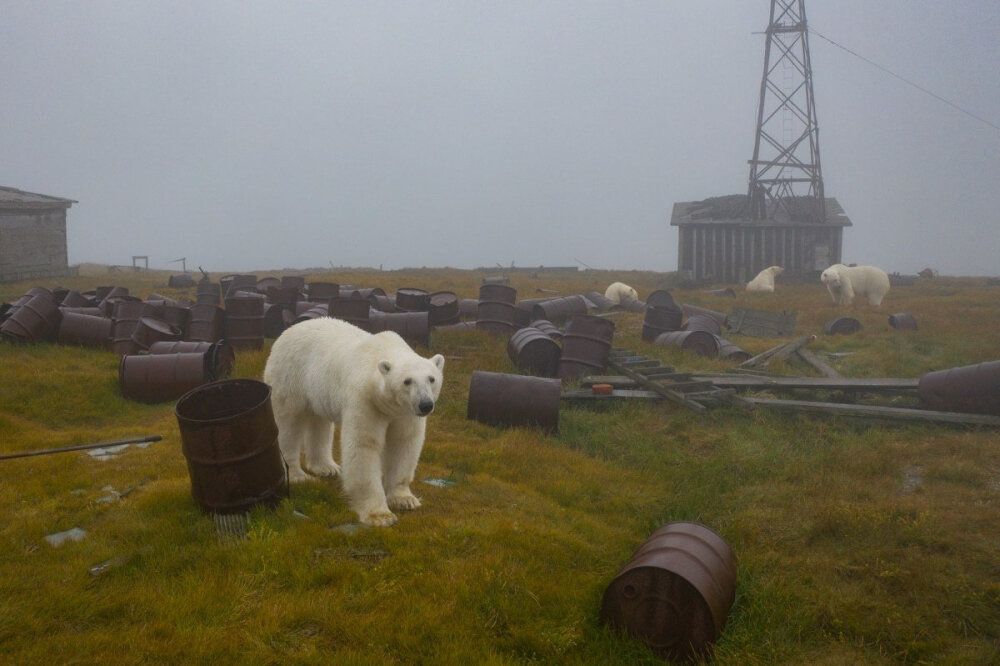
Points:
(785, 174)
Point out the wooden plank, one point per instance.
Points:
(813, 360)
(583, 395)
(673, 396)
(880, 413)
(789, 349)
(822, 383)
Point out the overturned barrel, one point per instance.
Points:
(699, 342)
(219, 355)
(150, 330)
(675, 593)
(586, 346)
(558, 310)
(37, 318)
(154, 378)
(532, 351)
(85, 330)
(354, 310)
(414, 327)
(903, 321)
(503, 400)
(972, 389)
(230, 442)
(842, 326)
(732, 352)
(702, 322)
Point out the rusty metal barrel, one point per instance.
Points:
(233, 284)
(468, 307)
(559, 310)
(354, 310)
(150, 330)
(903, 321)
(297, 282)
(504, 400)
(322, 292)
(74, 299)
(524, 308)
(600, 301)
(632, 305)
(125, 315)
(661, 298)
(36, 319)
(732, 352)
(284, 296)
(154, 378)
(699, 342)
(313, 311)
(675, 593)
(702, 322)
(230, 442)
(660, 319)
(245, 321)
(973, 389)
(495, 313)
(586, 346)
(277, 318)
(444, 308)
(414, 327)
(411, 299)
(176, 314)
(206, 323)
(208, 293)
(85, 330)
(694, 310)
(842, 326)
(534, 352)
(548, 328)
(219, 354)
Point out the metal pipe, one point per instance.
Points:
(81, 447)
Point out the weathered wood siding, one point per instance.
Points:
(33, 244)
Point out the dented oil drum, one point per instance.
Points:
(354, 310)
(230, 442)
(150, 330)
(660, 319)
(414, 327)
(586, 346)
(85, 330)
(36, 319)
(661, 298)
(444, 308)
(504, 400)
(702, 322)
(973, 389)
(732, 352)
(675, 593)
(534, 352)
(245, 322)
(699, 342)
(842, 326)
(155, 378)
(559, 310)
(206, 323)
(495, 313)
(694, 310)
(523, 310)
(903, 321)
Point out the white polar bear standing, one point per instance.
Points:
(765, 279)
(326, 371)
(619, 291)
(844, 282)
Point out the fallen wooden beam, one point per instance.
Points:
(813, 360)
(872, 384)
(879, 413)
(651, 385)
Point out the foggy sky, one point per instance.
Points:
(255, 135)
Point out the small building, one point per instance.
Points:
(720, 244)
(32, 235)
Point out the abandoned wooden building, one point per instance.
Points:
(720, 244)
(32, 235)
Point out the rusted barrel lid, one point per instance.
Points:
(842, 326)
(903, 321)
(675, 592)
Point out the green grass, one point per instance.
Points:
(840, 560)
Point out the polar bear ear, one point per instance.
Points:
(438, 360)
(384, 367)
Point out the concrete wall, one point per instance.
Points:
(33, 244)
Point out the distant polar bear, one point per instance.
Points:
(619, 291)
(326, 371)
(844, 282)
(765, 279)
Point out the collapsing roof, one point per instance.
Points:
(14, 199)
(735, 209)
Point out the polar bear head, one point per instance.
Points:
(776, 270)
(412, 384)
(831, 276)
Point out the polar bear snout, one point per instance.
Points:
(425, 407)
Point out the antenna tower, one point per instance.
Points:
(785, 174)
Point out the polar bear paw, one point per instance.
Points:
(297, 475)
(404, 501)
(378, 518)
(323, 468)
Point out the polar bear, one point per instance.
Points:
(619, 291)
(325, 372)
(844, 282)
(765, 279)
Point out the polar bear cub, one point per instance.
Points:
(844, 282)
(765, 279)
(619, 291)
(325, 372)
